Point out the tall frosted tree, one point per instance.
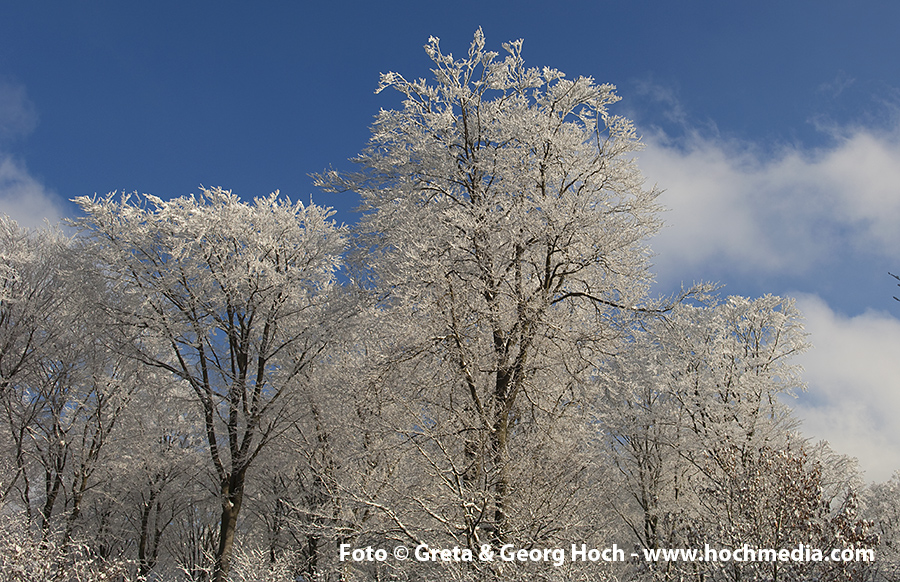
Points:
(30, 305)
(692, 391)
(230, 298)
(504, 233)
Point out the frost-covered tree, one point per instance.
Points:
(31, 312)
(504, 229)
(231, 298)
(707, 452)
(882, 508)
(64, 392)
(701, 381)
(156, 478)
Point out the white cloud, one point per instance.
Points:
(24, 198)
(862, 176)
(763, 212)
(733, 206)
(853, 374)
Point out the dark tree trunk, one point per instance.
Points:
(231, 496)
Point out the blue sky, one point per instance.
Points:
(773, 126)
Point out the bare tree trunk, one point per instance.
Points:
(504, 396)
(53, 482)
(501, 489)
(147, 560)
(232, 496)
